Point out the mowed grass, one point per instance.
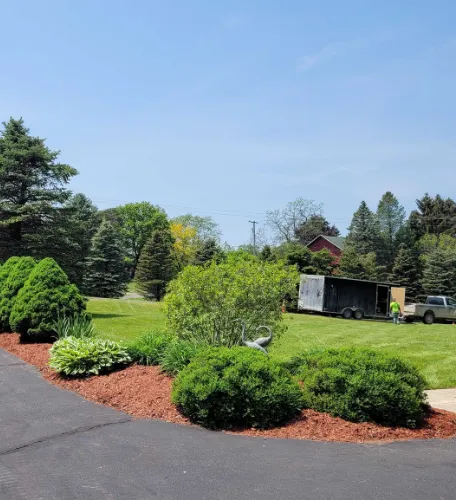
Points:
(432, 349)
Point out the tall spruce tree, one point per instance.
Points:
(407, 272)
(105, 270)
(391, 219)
(364, 231)
(156, 266)
(68, 239)
(32, 189)
(434, 216)
(439, 276)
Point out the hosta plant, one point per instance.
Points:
(86, 356)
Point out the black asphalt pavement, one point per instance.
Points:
(57, 446)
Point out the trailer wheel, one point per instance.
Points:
(428, 318)
(347, 314)
(358, 314)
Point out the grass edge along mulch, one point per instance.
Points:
(144, 392)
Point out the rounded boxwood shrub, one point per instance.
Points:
(46, 295)
(238, 387)
(149, 348)
(11, 287)
(86, 356)
(361, 385)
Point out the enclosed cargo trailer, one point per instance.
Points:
(345, 296)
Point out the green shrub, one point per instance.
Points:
(46, 295)
(178, 354)
(80, 327)
(86, 356)
(203, 302)
(7, 267)
(238, 387)
(15, 280)
(360, 385)
(149, 348)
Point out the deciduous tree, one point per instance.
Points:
(284, 223)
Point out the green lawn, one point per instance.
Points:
(431, 348)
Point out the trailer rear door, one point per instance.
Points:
(311, 293)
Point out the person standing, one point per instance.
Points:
(395, 311)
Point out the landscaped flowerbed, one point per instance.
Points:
(145, 392)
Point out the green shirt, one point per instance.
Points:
(395, 307)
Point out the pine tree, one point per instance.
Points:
(358, 266)
(391, 219)
(407, 272)
(208, 252)
(364, 231)
(156, 265)
(32, 188)
(439, 276)
(106, 274)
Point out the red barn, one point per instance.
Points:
(335, 244)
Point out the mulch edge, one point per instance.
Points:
(309, 425)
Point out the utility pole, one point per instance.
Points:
(254, 222)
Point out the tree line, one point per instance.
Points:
(101, 250)
(417, 252)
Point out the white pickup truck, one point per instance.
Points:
(436, 308)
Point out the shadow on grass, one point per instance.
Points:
(107, 315)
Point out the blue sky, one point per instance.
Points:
(238, 107)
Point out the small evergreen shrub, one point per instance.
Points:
(224, 388)
(86, 356)
(15, 280)
(149, 348)
(80, 327)
(360, 385)
(46, 295)
(7, 267)
(178, 354)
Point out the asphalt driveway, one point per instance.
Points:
(54, 445)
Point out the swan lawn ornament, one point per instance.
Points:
(258, 344)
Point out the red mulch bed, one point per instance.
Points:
(144, 392)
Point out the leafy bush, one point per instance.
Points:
(15, 280)
(149, 348)
(86, 356)
(178, 354)
(80, 327)
(238, 387)
(203, 302)
(46, 295)
(361, 385)
(7, 267)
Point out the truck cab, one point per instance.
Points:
(436, 308)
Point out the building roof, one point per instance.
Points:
(337, 241)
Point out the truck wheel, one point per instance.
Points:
(358, 314)
(347, 314)
(428, 318)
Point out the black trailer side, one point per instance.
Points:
(344, 296)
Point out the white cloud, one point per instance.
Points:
(333, 49)
(339, 48)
